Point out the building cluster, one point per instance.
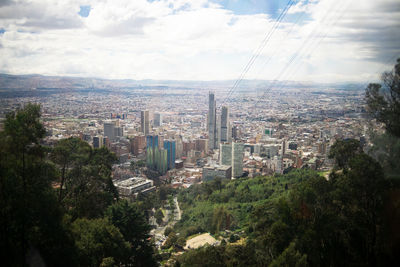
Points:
(185, 136)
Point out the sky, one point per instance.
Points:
(316, 40)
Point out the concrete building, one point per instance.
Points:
(131, 186)
(144, 122)
(212, 122)
(97, 141)
(118, 131)
(237, 159)
(225, 131)
(157, 120)
(235, 132)
(138, 144)
(212, 172)
(201, 145)
(225, 151)
(109, 130)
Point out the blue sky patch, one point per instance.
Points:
(2, 30)
(85, 11)
(251, 7)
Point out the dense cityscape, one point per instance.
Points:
(282, 129)
(211, 133)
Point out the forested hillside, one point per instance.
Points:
(58, 205)
(297, 219)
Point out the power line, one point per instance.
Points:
(258, 51)
(308, 41)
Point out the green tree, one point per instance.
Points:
(97, 241)
(30, 218)
(171, 240)
(207, 256)
(221, 220)
(383, 102)
(135, 229)
(360, 197)
(67, 154)
(290, 257)
(386, 150)
(86, 188)
(159, 216)
(343, 150)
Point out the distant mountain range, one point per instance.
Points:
(34, 81)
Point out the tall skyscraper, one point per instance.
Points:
(237, 159)
(138, 144)
(235, 132)
(225, 151)
(109, 130)
(212, 121)
(170, 145)
(118, 131)
(144, 122)
(157, 120)
(151, 150)
(225, 125)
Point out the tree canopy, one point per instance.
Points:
(383, 101)
(59, 205)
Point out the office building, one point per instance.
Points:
(235, 132)
(151, 150)
(170, 146)
(138, 144)
(144, 122)
(109, 130)
(161, 160)
(212, 172)
(157, 120)
(118, 131)
(97, 141)
(225, 151)
(201, 145)
(237, 159)
(212, 122)
(106, 142)
(224, 132)
(129, 187)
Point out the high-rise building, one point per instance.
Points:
(212, 122)
(109, 130)
(170, 146)
(237, 159)
(138, 144)
(106, 142)
(151, 151)
(178, 147)
(201, 145)
(157, 121)
(161, 160)
(144, 122)
(118, 131)
(235, 132)
(156, 156)
(152, 141)
(225, 151)
(97, 141)
(283, 148)
(225, 135)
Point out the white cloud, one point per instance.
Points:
(338, 40)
